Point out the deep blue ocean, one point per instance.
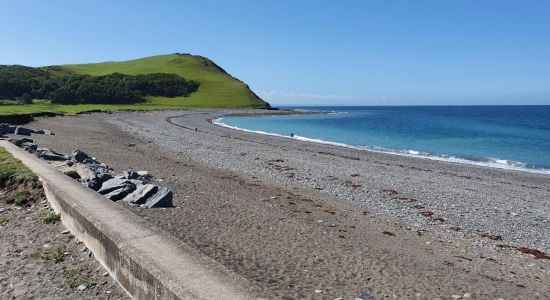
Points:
(515, 137)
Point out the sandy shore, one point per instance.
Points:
(305, 220)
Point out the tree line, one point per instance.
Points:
(27, 83)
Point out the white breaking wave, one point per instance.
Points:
(491, 162)
(332, 112)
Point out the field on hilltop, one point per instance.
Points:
(217, 89)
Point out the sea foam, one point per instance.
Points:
(491, 162)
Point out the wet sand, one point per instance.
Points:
(304, 220)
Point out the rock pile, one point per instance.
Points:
(130, 186)
(19, 130)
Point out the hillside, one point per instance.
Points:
(217, 89)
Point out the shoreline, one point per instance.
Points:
(297, 217)
(492, 163)
(465, 173)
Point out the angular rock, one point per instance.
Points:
(130, 175)
(65, 168)
(120, 176)
(23, 131)
(79, 156)
(143, 173)
(26, 141)
(90, 161)
(93, 184)
(57, 164)
(29, 147)
(97, 167)
(144, 176)
(162, 198)
(121, 191)
(19, 142)
(102, 177)
(68, 171)
(137, 182)
(44, 131)
(84, 172)
(141, 194)
(7, 128)
(113, 184)
(48, 154)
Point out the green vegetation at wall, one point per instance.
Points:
(216, 88)
(12, 170)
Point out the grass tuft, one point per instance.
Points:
(4, 220)
(36, 185)
(71, 272)
(55, 255)
(50, 218)
(74, 283)
(21, 199)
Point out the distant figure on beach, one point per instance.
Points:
(291, 134)
(196, 129)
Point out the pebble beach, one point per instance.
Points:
(309, 220)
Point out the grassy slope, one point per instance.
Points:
(217, 88)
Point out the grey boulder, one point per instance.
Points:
(44, 131)
(29, 147)
(84, 172)
(141, 194)
(68, 171)
(162, 198)
(143, 173)
(102, 177)
(121, 191)
(144, 176)
(65, 168)
(57, 164)
(7, 128)
(130, 175)
(79, 156)
(48, 154)
(19, 142)
(113, 184)
(95, 183)
(23, 131)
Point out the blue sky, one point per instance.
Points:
(310, 52)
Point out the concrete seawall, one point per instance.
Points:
(147, 262)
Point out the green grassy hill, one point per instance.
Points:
(217, 88)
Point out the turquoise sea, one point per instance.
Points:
(513, 137)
